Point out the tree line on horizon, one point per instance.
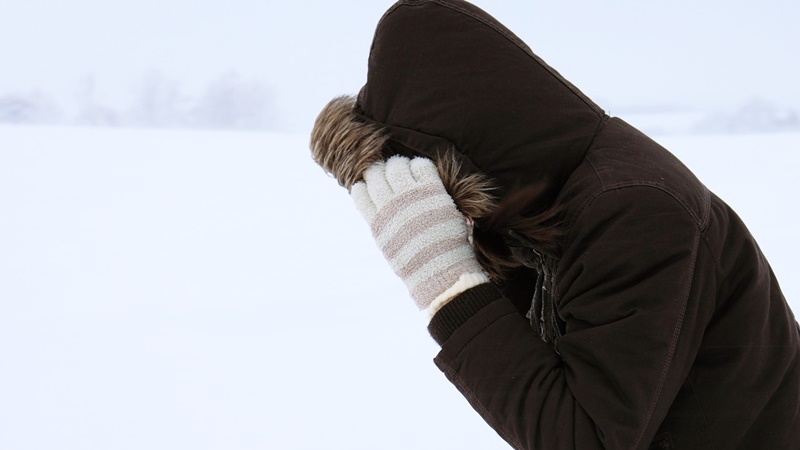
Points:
(228, 102)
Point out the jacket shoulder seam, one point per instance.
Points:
(701, 220)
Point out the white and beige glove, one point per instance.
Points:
(419, 230)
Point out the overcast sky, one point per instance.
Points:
(699, 53)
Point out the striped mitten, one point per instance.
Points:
(419, 229)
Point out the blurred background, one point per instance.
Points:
(269, 65)
(175, 271)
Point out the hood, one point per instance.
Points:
(443, 74)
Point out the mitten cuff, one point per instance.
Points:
(464, 282)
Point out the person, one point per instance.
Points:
(587, 290)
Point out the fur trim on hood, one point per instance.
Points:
(344, 145)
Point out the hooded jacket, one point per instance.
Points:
(671, 329)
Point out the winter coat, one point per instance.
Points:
(668, 327)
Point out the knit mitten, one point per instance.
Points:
(418, 228)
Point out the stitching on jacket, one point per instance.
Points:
(585, 204)
(697, 219)
(707, 210)
(674, 343)
(717, 265)
(597, 174)
(597, 130)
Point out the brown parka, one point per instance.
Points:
(668, 327)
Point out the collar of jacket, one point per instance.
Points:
(445, 74)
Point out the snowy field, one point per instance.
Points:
(215, 290)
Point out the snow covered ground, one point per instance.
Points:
(215, 290)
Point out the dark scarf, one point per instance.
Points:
(543, 312)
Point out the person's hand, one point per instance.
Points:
(417, 227)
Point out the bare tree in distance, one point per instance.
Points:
(90, 110)
(159, 103)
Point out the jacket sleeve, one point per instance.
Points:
(633, 292)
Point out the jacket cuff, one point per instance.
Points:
(458, 310)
